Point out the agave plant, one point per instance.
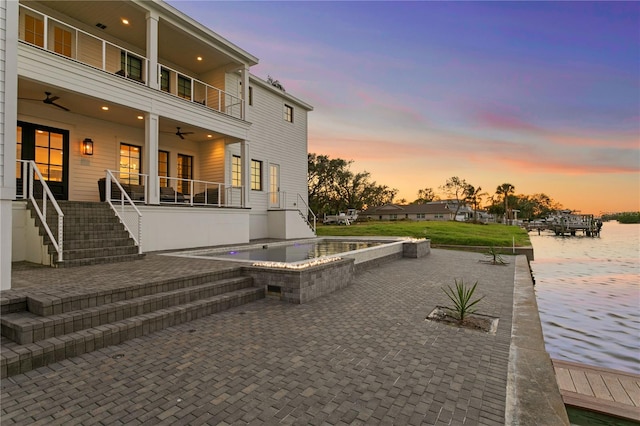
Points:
(461, 298)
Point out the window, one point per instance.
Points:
(164, 80)
(250, 95)
(184, 87)
(393, 216)
(34, 30)
(185, 171)
(421, 216)
(256, 175)
(130, 156)
(288, 113)
(19, 152)
(236, 171)
(163, 167)
(49, 155)
(132, 65)
(62, 41)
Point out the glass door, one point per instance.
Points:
(49, 147)
(274, 186)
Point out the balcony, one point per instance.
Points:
(62, 39)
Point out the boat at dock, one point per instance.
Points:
(567, 222)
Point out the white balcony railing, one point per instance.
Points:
(193, 192)
(75, 44)
(134, 186)
(197, 91)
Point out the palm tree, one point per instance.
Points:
(474, 196)
(505, 190)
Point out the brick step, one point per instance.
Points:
(70, 229)
(26, 327)
(86, 219)
(96, 235)
(95, 260)
(23, 358)
(97, 243)
(92, 253)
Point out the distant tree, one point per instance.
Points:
(474, 197)
(504, 191)
(333, 187)
(425, 196)
(275, 83)
(402, 201)
(456, 188)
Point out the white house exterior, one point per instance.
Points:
(209, 153)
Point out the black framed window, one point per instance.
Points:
(165, 76)
(288, 113)
(132, 65)
(130, 164)
(256, 175)
(185, 171)
(236, 170)
(163, 167)
(184, 87)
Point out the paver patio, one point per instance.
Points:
(362, 355)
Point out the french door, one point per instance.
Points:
(274, 186)
(49, 148)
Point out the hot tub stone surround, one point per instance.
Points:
(303, 285)
(416, 248)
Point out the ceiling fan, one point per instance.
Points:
(181, 134)
(49, 100)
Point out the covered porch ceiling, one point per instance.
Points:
(175, 44)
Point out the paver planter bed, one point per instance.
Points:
(478, 322)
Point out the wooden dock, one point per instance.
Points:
(611, 392)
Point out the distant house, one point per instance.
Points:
(435, 210)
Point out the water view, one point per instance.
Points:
(588, 293)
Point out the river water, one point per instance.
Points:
(588, 294)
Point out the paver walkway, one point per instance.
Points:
(363, 355)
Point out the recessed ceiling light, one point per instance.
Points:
(105, 108)
(199, 58)
(140, 117)
(125, 21)
(209, 136)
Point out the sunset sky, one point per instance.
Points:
(542, 95)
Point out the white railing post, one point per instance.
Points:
(57, 240)
(136, 236)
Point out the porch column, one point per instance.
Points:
(152, 49)
(244, 77)
(151, 136)
(246, 172)
(8, 122)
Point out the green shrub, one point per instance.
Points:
(461, 298)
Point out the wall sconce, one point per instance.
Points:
(87, 147)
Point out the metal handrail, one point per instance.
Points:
(309, 212)
(29, 168)
(137, 237)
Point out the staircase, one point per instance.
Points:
(42, 329)
(92, 235)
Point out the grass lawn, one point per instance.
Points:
(455, 233)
